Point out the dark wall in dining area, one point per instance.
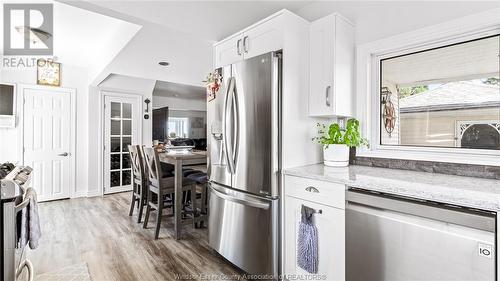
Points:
(160, 123)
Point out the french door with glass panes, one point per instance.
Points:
(122, 119)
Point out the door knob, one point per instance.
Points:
(63, 154)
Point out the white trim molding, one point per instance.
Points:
(20, 88)
(367, 85)
(102, 94)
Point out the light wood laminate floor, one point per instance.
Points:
(99, 232)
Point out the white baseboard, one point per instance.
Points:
(79, 194)
(120, 189)
(94, 193)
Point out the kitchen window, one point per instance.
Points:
(178, 127)
(444, 97)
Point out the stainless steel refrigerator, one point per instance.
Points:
(244, 124)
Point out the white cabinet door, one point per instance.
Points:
(331, 240)
(264, 38)
(229, 51)
(331, 67)
(322, 48)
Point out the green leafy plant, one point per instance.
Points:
(333, 134)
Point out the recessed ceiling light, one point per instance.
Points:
(164, 63)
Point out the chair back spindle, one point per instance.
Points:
(153, 165)
(137, 163)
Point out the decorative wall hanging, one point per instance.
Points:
(212, 83)
(147, 101)
(48, 73)
(197, 123)
(388, 111)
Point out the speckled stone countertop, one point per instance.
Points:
(457, 190)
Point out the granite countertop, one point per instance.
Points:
(457, 190)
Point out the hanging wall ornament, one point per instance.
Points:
(389, 113)
(213, 83)
(146, 115)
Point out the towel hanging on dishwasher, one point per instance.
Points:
(307, 242)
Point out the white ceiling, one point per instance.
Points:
(215, 20)
(86, 39)
(190, 58)
(168, 89)
(211, 20)
(182, 32)
(375, 20)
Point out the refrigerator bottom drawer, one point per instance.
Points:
(243, 229)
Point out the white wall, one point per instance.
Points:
(71, 77)
(179, 103)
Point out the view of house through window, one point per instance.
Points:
(443, 97)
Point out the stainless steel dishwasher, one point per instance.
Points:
(396, 238)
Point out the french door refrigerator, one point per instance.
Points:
(244, 162)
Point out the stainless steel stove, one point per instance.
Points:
(12, 181)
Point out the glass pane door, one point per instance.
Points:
(120, 131)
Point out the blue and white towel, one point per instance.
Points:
(307, 243)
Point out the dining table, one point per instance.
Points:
(176, 158)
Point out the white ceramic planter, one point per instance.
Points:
(336, 155)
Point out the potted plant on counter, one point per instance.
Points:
(336, 142)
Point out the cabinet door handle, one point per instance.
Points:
(327, 94)
(245, 45)
(238, 43)
(312, 189)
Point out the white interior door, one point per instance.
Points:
(122, 119)
(47, 141)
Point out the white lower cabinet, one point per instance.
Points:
(330, 224)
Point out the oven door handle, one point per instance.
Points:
(29, 266)
(22, 205)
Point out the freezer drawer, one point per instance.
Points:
(393, 239)
(243, 229)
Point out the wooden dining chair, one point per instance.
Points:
(201, 180)
(160, 187)
(139, 181)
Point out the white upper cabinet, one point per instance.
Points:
(260, 38)
(331, 67)
(229, 51)
(263, 38)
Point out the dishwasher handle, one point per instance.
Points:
(461, 216)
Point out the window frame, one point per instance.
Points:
(368, 57)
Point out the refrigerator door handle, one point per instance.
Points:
(235, 127)
(276, 124)
(246, 200)
(227, 119)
